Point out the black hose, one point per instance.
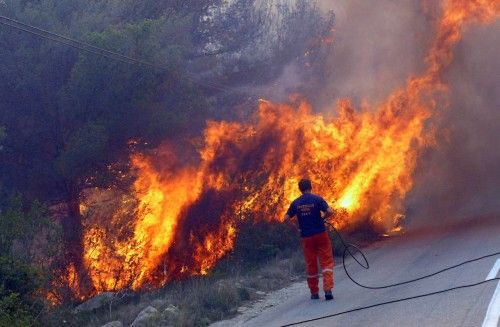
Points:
(347, 250)
(349, 246)
(393, 301)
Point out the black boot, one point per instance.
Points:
(328, 295)
(315, 296)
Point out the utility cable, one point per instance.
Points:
(49, 37)
(366, 265)
(392, 301)
(84, 46)
(76, 44)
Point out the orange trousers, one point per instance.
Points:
(318, 247)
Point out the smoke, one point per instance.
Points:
(377, 47)
(461, 177)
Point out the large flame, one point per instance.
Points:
(179, 219)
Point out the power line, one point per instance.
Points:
(84, 46)
(66, 40)
(61, 41)
(392, 301)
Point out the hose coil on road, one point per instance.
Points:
(347, 251)
(349, 246)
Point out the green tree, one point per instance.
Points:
(80, 110)
(105, 104)
(28, 241)
(2, 137)
(70, 116)
(250, 42)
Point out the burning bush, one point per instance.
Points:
(178, 219)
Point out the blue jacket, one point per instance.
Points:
(308, 208)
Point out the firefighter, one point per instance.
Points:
(314, 238)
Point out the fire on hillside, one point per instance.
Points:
(179, 219)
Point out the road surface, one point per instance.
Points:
(396, 259)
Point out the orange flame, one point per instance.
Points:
(180, 221)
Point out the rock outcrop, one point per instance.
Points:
(113, 324)
(146, 317)
(95, 303)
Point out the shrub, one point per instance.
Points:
(337, 245)
(297, 264)
(207, 300)
(18, 284)
(261, 241)
(25, 230)
(14, 311)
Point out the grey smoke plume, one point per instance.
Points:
(378, 45)
(461, 178)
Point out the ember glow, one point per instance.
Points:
(179, 219)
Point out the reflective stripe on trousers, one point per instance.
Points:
(318, 247)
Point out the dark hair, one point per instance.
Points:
(305, 185)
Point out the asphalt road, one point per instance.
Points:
(401, 258)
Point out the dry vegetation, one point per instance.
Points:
(262, 262)
(198, 301)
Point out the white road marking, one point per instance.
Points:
(493, 313)
(494, 271)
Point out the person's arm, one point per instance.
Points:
(325, 208)
(328, 213)
(291, 212)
